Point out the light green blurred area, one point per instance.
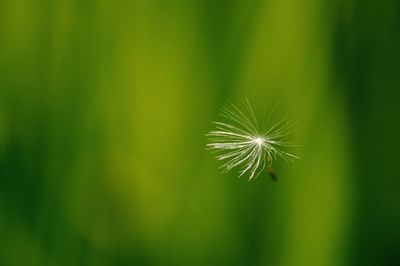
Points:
(104, 108)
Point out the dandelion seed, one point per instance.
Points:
(242, 143)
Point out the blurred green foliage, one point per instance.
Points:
(103, 110)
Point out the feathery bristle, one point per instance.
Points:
(242, 143)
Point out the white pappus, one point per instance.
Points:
(242, 143)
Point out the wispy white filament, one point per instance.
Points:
(242, 143)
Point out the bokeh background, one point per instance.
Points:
(103, 110)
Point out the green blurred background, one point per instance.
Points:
(103, 110)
